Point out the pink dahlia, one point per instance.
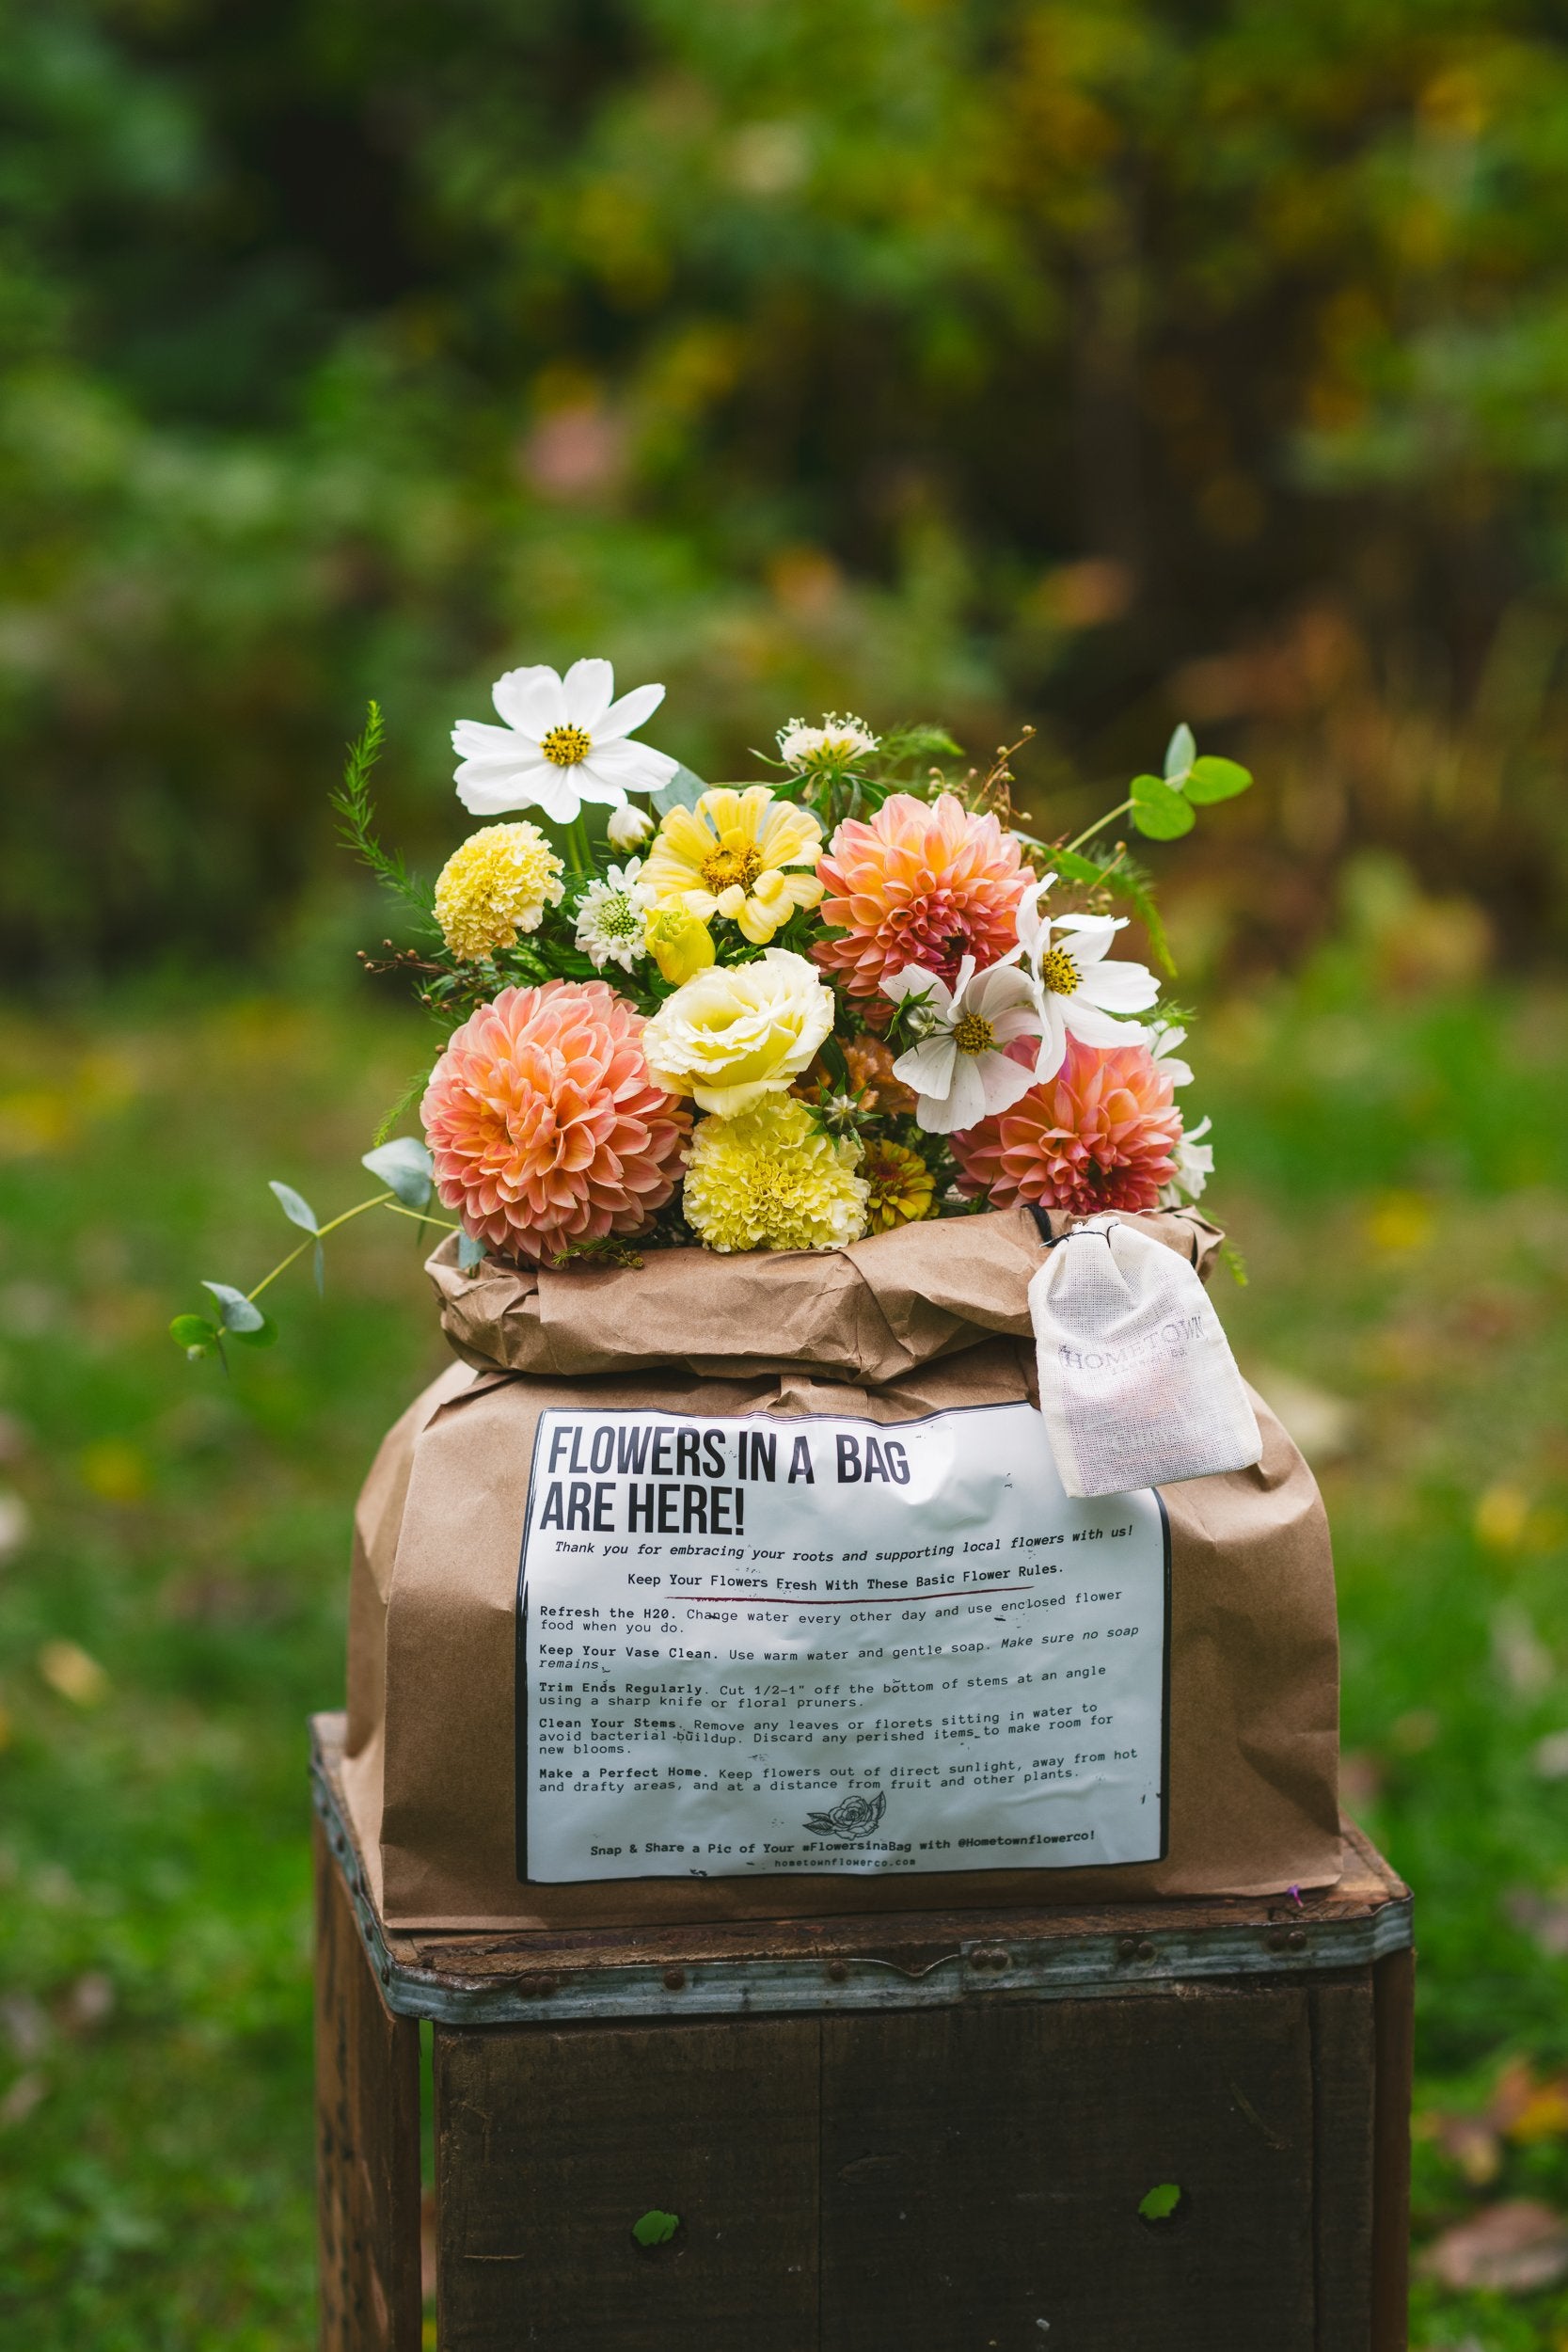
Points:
(545, 1127)
(922, 883)
(1100, 1135)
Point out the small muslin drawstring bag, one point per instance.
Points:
(1138, 1386)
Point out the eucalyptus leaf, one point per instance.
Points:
(683, 790)
(193, 1333)
(470, 1252)
(1180, 752)
(405, 1167)
(295, 1207)
(236, 1312)
(1160, 810)
(264, 1334)
(1216, 780)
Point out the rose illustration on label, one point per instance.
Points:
(852, 1817)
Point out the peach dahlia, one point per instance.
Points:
(545, 1128)
(922, 881)
(1103, 1133)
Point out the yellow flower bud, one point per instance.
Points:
(679, 944)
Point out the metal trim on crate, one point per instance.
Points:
(1082, 1968)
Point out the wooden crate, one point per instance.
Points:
(921, 2134)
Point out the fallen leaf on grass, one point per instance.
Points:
(71, 1673)
(1468, 2143)
(1520, 1656)
(24, 2023)
(15, 1525)
(89, 2002)
(1322, 1425)
(1524, 2107)
(1360, 1780)
(1514, 2248)
(22, 2098)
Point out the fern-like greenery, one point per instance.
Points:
(356, 815)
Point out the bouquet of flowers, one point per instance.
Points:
(780, 1014)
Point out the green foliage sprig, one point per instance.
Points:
(408, 1173)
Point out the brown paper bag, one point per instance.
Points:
(929, 1320)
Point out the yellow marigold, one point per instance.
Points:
(901, 1188)
(497, 885)
(770, 1179)
(730, 855)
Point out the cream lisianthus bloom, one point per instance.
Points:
(739, 1031)
(961, 1069)
(565, 741)
(730, 855)
(1080, 993)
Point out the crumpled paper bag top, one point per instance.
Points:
(871, 1311)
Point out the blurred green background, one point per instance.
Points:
(1095, 365)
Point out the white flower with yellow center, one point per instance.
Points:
(1080, 994)
(1195, 1164)
(837, 741)
(961, 1068)
(1194, 1159)
(733, 854)
(1163, 1039)
(565, 741)
(612, 917)
(739, 1031)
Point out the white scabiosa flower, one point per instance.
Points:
(961, 1068)
(612, 917)
(1080, 993)
(834, 744)
(628, 828)
(564, 741)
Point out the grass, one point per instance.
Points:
(1394, 1166)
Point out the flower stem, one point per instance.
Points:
(330, 1227)
(578, 851)
(1099, 826)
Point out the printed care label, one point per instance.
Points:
(762, 1646)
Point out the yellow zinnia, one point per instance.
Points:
(730, 855)
(901, 1188)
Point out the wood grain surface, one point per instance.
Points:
(367, 2140)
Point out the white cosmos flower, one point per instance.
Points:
(1163, 1039)
(611, 917)
(1078, 990)
(564, 741)
(961, 1068)
(628, 827)
(836, 741)
(1195, 1164)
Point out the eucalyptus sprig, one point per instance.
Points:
(408, 1173)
